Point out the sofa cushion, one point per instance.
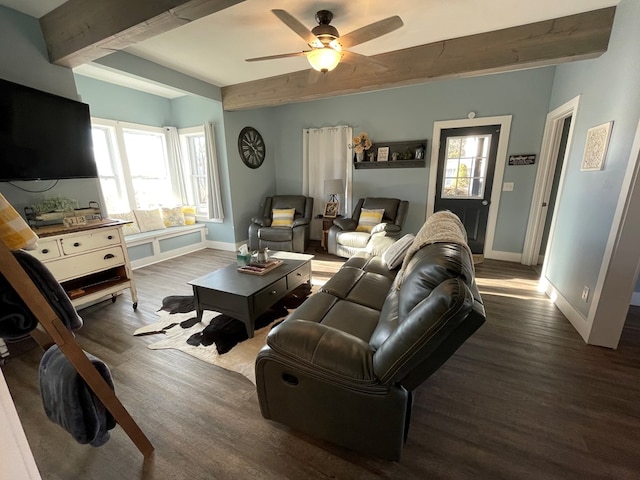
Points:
(296, 202)
(353, 239)
(352, 318)
(282, 217)
(369, 219)
(275, 234)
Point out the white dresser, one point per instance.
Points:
(90, 261)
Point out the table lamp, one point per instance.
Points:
(333, 188)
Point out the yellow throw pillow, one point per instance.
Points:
(189, 213)
(369, 219)
(283, 217)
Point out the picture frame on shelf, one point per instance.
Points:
(330, 210)
(383, 154)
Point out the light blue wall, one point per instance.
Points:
(610, 90)
(249, 187)
(114, 102)
(23, 60)
(409, 113)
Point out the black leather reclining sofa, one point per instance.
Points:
(343, 365)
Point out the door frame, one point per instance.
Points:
(544, 178)
(501, 158)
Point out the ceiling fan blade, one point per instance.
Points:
(282, 55)
(371, 31)
(363, 60)
(295, 25)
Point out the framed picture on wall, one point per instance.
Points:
(383, 154)
(595, 150)
(330, 210)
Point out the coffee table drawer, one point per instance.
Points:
(266, 297)
(299, 276)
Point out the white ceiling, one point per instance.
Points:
(213, 48)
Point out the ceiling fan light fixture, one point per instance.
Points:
(324, 59)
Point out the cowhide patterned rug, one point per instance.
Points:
(217, 339)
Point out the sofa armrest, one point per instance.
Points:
(262, 221)
(300, 221)
(345, 223)
(385, 227)
(325, 349)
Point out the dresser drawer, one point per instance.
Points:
(299, 276)
(46, 250)
(270, 295)
(90, 241)
(79, 265)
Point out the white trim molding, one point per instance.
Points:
(544, 178)
(501, 158)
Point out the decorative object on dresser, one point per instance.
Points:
(61, 210)
(90, 261)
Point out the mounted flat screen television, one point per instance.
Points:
(43, 136)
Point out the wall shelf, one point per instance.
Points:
(407, 151)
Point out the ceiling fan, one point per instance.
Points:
(327, 46)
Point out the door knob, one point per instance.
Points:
(485, 202)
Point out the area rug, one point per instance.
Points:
(217, 339)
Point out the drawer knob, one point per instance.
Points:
(77, 244)
(45, 251)
(108, 256)
(110, 237)
(273, 292)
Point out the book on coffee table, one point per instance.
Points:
(260, 268)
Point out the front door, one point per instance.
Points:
(466, 165)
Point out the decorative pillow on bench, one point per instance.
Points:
(173, 217)
(129, 228)
(149, 219)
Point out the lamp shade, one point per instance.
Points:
(334, 187)
(324, 59)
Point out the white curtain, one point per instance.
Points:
(176, 166)
(213, 174)
(326, 155)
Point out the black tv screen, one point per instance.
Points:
(43, 136)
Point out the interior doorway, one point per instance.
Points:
(556, 144)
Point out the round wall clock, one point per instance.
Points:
(251, 147)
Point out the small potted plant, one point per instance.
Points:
(361, 143)
(55, 204)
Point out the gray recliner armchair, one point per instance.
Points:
(345, 241)
(294, 238)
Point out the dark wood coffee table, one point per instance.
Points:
(245, 297)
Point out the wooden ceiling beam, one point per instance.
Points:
(79, 31)
(550, 42)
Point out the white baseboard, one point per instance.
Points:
(504, 256)
(635, 299)
(228, 247)
(161, 257)
(579, 322)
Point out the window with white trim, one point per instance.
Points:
(194, 153)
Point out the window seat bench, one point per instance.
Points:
(155, 246)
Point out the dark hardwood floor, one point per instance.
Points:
(523, 398)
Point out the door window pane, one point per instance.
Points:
(465, 167)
